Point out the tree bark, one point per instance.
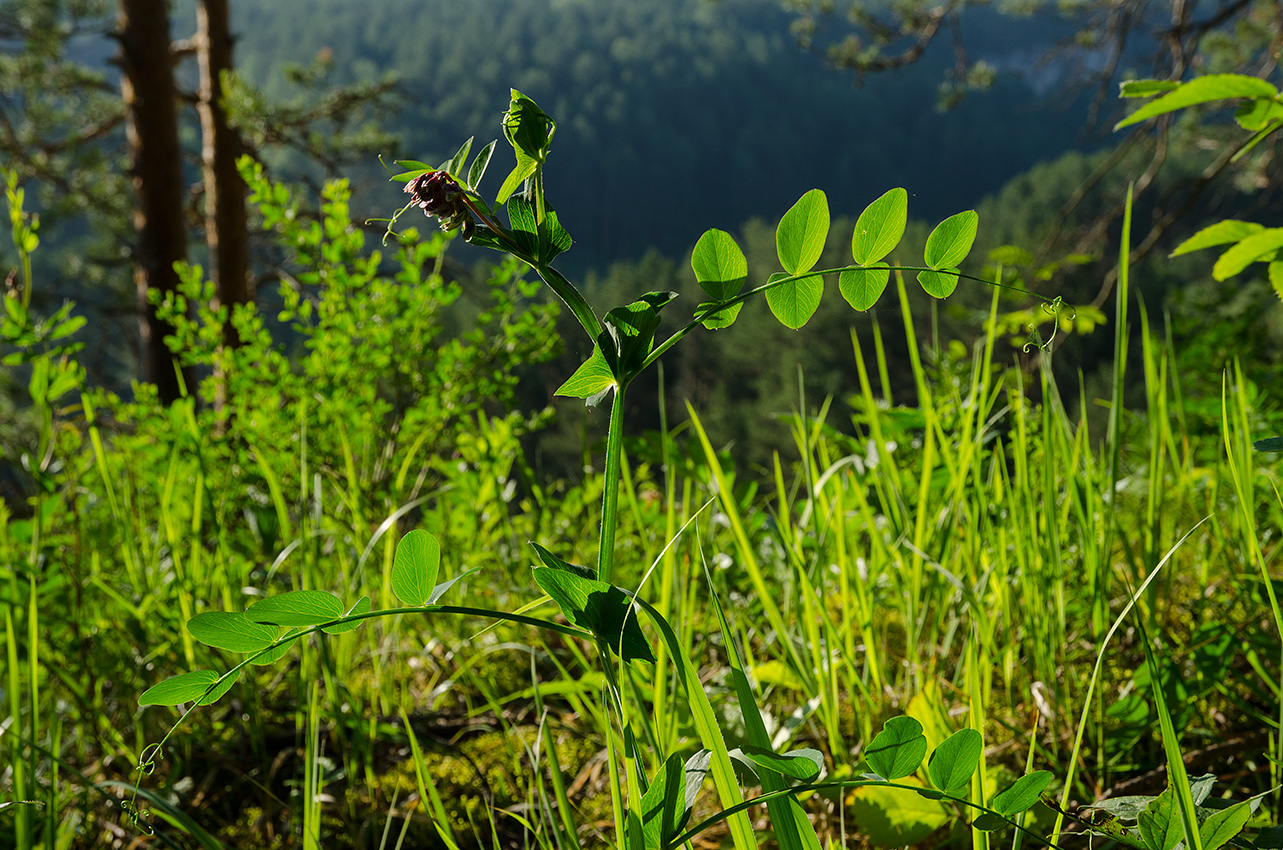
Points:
(226, 230)
(147, 86)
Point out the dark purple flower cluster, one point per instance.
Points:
(439, 196)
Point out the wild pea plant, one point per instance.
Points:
(653, 792)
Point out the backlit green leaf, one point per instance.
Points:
(1221, 233)
(951, 241)
(799, 239)
(1021, 794)
(224, 685)
(795, 302)
(722, 318)
(880, 228)
(719, 265)
(185, 687)
(300, 608)
(414, 567)
(231, 631)
(951, 765)
(1261, 246)
(529, 130)
(275, 654)
(478, 169)
(939, 284)
(455, 166)
(1201, 90)
(591, 378)
(862, 289)
(1146, 88)
(897, 750)
(362, 606)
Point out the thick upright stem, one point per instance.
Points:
(610, 496)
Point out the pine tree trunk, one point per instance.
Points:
(226, 230)
(147, 86)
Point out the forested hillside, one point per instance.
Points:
(678, 115)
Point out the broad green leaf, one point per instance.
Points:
(552, 561)
(723, 318)
(1219, 828)
(521, 218)
(362, 606)
(1021, 794)
(800, 765)
(951, 765)
(271, 656)
(1256, 115)
(591, 378)
(1276, 277)
(455, 166)
(414, 567)
(632, 327)
(185, 687)
(1258, 246)
(556, 240)
(231, 631)
(951, 241)
(1146, 88)
(897, 750)
(892, 817)
(601, 608)
(1221, 233)
(880, 228)
(719, 265)
(221, 688)
(478, 169)
(939, 284)
(1160, 822)
(529, 130)
(664, 804)
(795, 302)
(413, 165)
(1201, 90)
(300, 608)
(799, 239)
(862, 289)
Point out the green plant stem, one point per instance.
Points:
(610, 494)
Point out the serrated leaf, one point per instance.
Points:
(231, 631)
(897, 750)
(862, 288)
(1160, 822)
(1201, 90)
(478, 169)
(939, 284)
(951, 241)
(300, 608)
(723, 318)
(795, 302)
(591, 378)
(1021, 794)
(800, 236)
(1221, 233)
(185, 687)
(951, 765)
(719, 265)
(414, 567)
(1258, 246)
(601, 608)
(1146, 88)
(1220, 827)
(552, 561)
(362, 606)
(880, 228)
(663, 806)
